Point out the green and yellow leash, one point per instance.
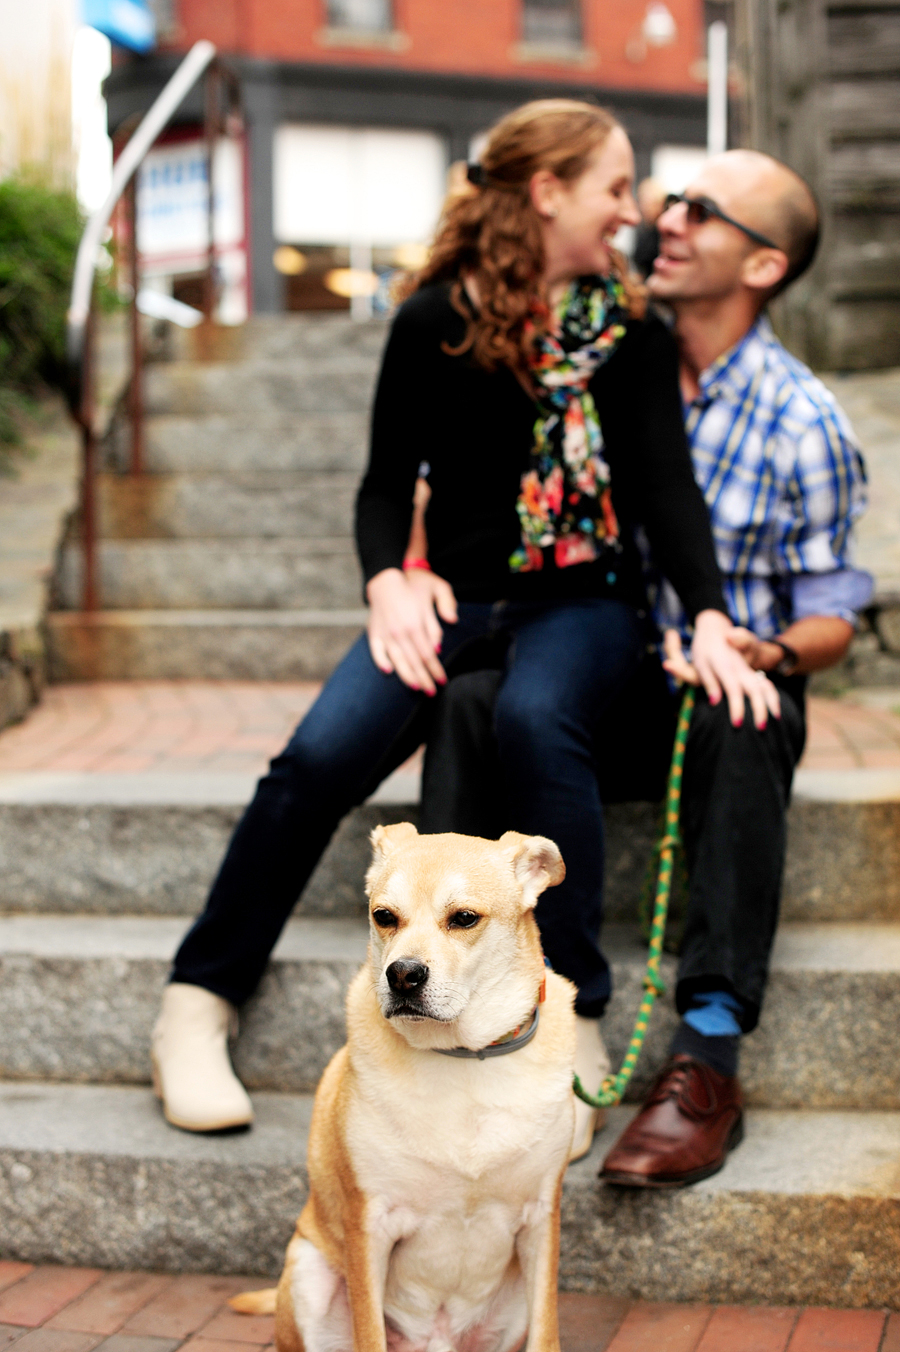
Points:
(613, 1087)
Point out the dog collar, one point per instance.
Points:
(509, 1042)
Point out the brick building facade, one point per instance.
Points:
(446, 69)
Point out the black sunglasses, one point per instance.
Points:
(700, 209)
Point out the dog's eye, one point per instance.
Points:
(383, 918)
(463, 919)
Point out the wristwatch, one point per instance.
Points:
(789, 661)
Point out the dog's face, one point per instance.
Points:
(454, 950)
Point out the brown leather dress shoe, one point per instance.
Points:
(692, 1117)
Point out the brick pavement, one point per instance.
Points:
(58, 1309)
(235, 726)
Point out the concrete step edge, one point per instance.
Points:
(256, 549)
(78, 997)
(833, 948)
(178, 644)
(49, 786)
(299, 365)
(150, 843)
(268, 418)
(252, 478)
(315, 619)
(92, 1175)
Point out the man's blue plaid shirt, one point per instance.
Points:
(784, 481)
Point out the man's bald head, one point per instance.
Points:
(716, 260)
(774, 200)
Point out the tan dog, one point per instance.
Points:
(433, 1218)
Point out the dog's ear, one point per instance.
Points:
(385, 839)
(537, 864)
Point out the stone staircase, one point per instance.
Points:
(232, 556)
(97, 880)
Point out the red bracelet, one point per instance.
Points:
(416, 563)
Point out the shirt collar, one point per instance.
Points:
(731, 375)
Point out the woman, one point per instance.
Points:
(520, 331)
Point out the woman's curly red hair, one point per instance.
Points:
(492, 233)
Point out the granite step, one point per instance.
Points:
(336, 382)
(804, 1212)
(312, 337)
(295, 504)
(226, 645)
(218, 574)
(150, 843)
(245, 442)
(78, 996)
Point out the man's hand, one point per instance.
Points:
(818, 640)
(720, 667)
(404, 634)
(758, 653)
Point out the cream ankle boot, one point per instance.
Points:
(192, 1073)
(591, 1066)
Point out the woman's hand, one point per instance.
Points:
(404, 634)
(758, 653)
(719, 667)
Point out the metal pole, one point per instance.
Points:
(136, 390)
(180, 85)
(88, 471)
(717, 88)
(361, 261)
(212, 130)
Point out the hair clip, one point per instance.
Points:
(476, 175)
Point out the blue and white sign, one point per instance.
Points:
(129, 23)
(173, 220)
(173, 202)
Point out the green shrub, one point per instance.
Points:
(39, 233)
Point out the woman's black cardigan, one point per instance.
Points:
(474, 429)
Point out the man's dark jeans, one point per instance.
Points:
(566, 664)
(735, 792)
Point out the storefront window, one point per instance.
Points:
(552, 23)
(364, 16)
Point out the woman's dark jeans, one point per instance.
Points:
(567, 661)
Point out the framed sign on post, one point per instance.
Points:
(173, 218)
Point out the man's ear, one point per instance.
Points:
(537, 864)
(385, 840)
(763, 269)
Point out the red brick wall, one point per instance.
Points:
(460, 36)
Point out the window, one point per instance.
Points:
(363, 16)
(552, 23)
(336, 185)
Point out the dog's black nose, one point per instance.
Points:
(406, 975)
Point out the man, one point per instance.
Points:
(784, 481)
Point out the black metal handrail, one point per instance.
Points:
(198, 62)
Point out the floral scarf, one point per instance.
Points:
(565, 499)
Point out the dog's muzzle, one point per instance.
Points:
(407, 978)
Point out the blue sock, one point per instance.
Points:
(709, 1031)
(714, 1014)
